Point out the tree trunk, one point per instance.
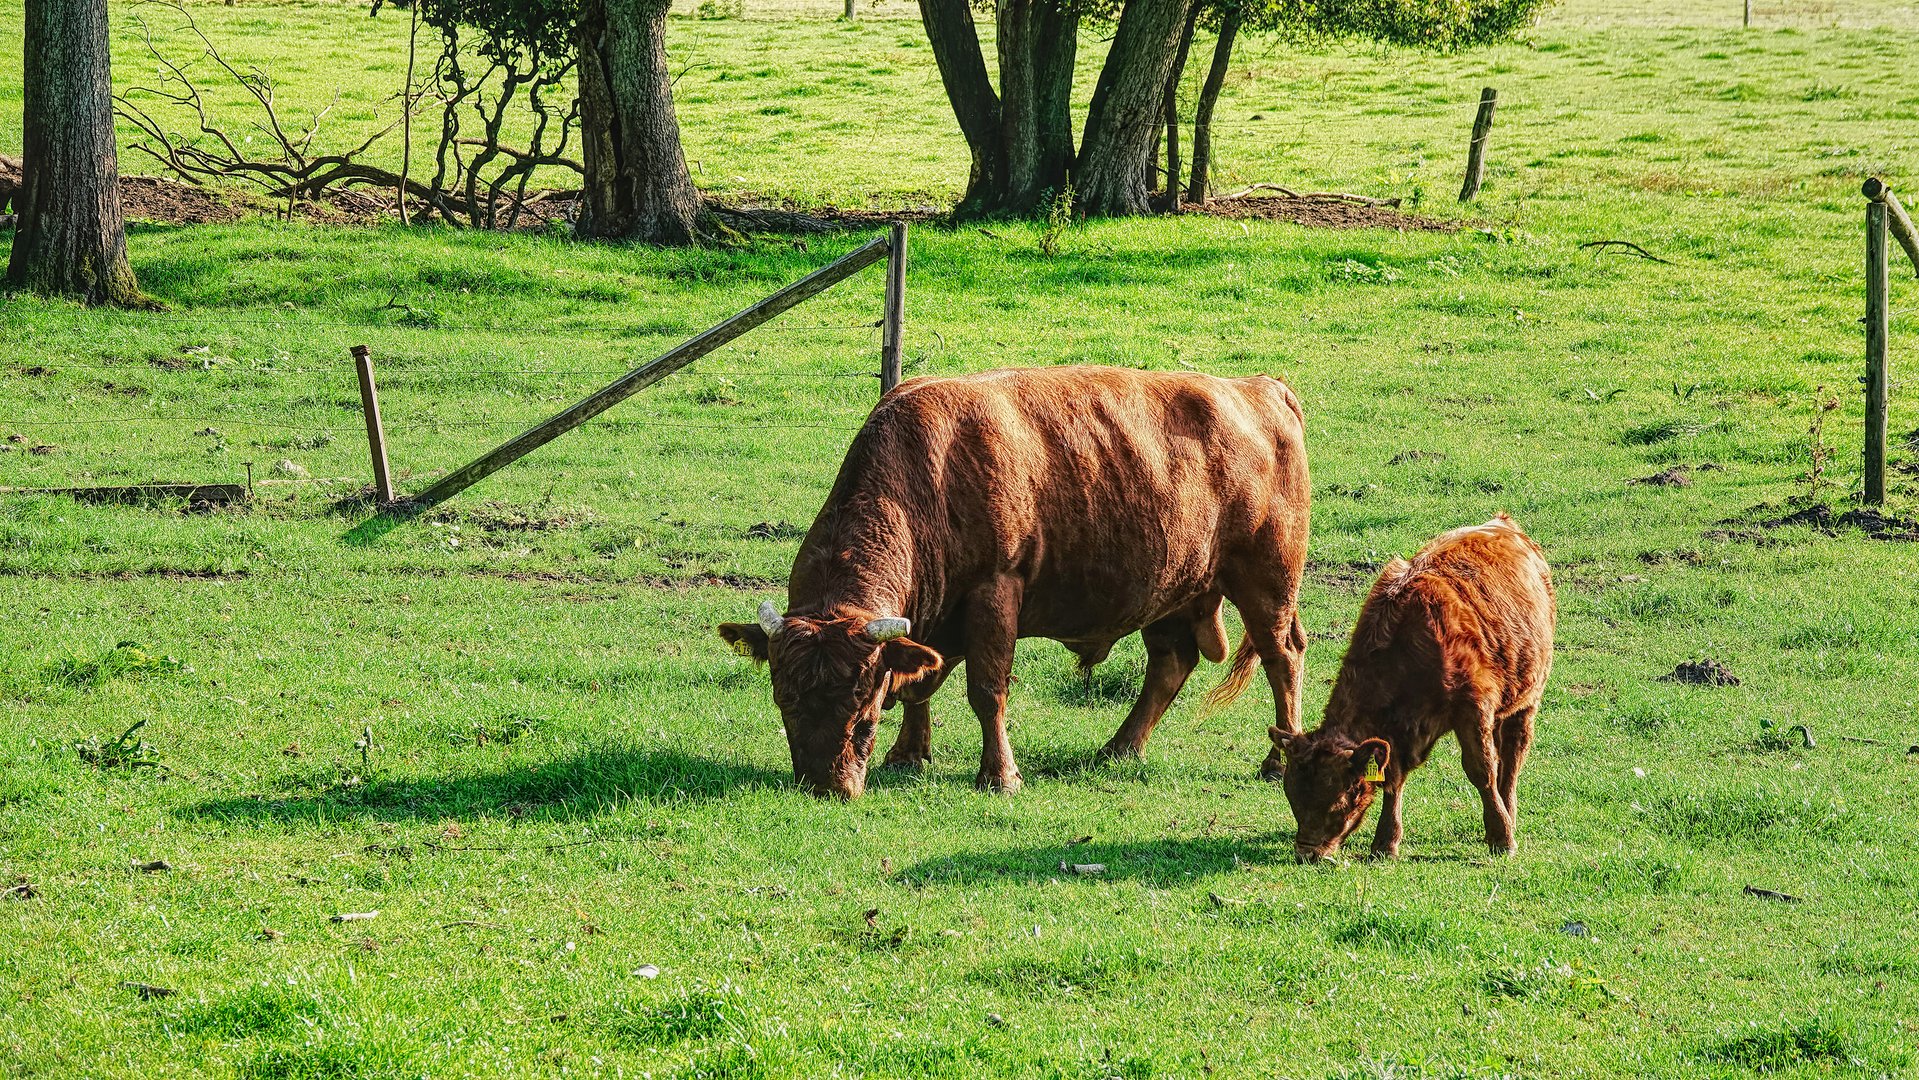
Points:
(955, 42)
(70, 239)
(1123, 120)
(1173, 201)
(637, 185)
(1198, 191)
(1038, 42)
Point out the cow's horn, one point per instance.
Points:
(770, 618)
(888, 629)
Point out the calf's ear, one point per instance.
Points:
(747, 639)
(1281, 737)
(909, 661)
(1371, 751)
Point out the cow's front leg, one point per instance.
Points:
(992, 627)
(913, 750)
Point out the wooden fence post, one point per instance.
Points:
(850, 12)
(895, 323)
(1877, 325)
(1476, 153)
(1747, 23)
(375, 434)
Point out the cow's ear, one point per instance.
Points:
(909, 661)
(1281, 737)
(1370, 753)
(747, 639)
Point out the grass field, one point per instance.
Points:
(569, 777)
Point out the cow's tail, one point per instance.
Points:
(1245, 661)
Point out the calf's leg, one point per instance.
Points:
(1479, 753)
(1515, 739)
(1387, 833)
(992, 627)
(1172, 651)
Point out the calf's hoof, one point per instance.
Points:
(1508, 848)
(910, 763)
(1273, 768)
(1118, 751)
(1005, 783)
(1384, 853)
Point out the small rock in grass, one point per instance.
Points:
(154, 867)
(995, 1020)
(1082, 869)
(647, 971)
(289, 467)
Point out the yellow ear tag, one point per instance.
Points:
(743, 648)
(1373, 773)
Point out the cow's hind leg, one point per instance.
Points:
(1172, 651)
(1479, 754)
(1515, 739)
(992, 628)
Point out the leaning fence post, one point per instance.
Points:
(895, 323)
(1476, 153)
(375, 434)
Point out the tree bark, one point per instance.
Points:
(1198, 191)
(637, 185)
(70, 238)
(1173, 200)
(1122, 122)
(955, 41)
(1038, 42)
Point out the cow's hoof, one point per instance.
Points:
(999, 783)
(1272, 770)
(1501, 851)
(1117, 751)
(907, 763)
(1385, 854)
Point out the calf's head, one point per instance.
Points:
(1326, 784)
(831, 675)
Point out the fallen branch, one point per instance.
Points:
(1602, 245)
(1317, 196)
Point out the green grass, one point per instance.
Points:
(569, 777)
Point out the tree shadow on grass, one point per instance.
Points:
(1172, 861)
(591, 783)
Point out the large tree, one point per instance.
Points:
(1020, 134)
(637, 184)
(71, 239)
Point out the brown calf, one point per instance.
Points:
(1459, 639)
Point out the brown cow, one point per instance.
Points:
(1074, 503)
(1459, 639)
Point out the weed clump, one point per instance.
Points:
(1783, 1047)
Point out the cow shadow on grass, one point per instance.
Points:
(1161, 863)
(593, 782)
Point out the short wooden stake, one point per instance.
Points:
(895, 326)
(1747, 23)
(1877, 326)
(375, 434)
(1476, 153)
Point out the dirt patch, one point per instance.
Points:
(1322, 214)
(1876, 524)
(1673, 477)
(1707, 672)
(774, 530)
(169, 202)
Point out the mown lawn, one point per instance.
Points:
(570, 778)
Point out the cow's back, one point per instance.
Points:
(1109, 492)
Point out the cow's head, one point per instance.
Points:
(1327, 787)
(831, 674)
